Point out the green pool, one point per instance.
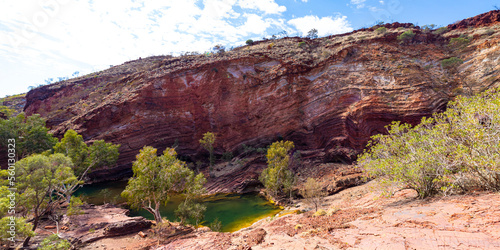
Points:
(235, 211)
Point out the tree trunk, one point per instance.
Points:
(27, 240)
(157, 214)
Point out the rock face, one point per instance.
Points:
(100, 222)
(327, 95)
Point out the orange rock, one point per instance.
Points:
(143, 235)
(50, 227)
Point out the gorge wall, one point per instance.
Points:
(327, 95)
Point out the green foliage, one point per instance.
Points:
(249, 42)
(428, 27)
(313, 193)
(312, 34)
(30, 134)
(455, 151)
(451, 63)
(21, 231)
(227, 156)
(39, 178)
(7, 111)
(302, 44)
(440, 31)
(189, 209)
(406, 36)
(208, 142)
(458, 42)
(156, 177)
(74, 206)
(84, 158)
(53, 242)
(381, 30)
(216, 225)
(276, 177)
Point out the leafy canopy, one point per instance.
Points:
(452, 152)
(276, 176)
(157, 177)
(30, 133)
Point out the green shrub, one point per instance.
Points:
(227, 156)
(440, 31)
(53, 242)
(453, 152)
(249, 42)
(451, 62)
(381, 30)
(458, 42)
(406, 36)
(74, 206)
(216, 225)
(302, 44)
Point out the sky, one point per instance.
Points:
(42, 40)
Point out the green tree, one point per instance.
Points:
(9, 235)
(276, 174)
(157, 177)
(313, 193)
(38, 177)
(313, 33)
(249, 42)
(84, 158)
(30, 134)
(208, 142)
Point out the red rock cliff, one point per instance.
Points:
(328, 95)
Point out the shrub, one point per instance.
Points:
(440, 31)
(451, 63)
(53, 242)
(381, 30)
(249, 42)
(313, 193)
(458, 42)
(406, 36)
(302, 44)
(227, 156)
(216, 225)
(74, 206)
(455, 151)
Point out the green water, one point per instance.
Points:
(233, 210)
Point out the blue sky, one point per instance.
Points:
(42, 39)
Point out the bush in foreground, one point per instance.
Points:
(453, 152)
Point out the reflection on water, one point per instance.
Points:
(233, 210)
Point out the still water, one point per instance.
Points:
(235, 211)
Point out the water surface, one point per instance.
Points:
(235, 211)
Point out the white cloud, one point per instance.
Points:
(52, 38)
(268, 6)
(359, 3)
(324, 25)
(381, 2)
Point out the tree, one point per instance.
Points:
(38, 177)
(84, 158)
(12, 227)
(156, 178)
(30, 134)
(219, 49)
(276, 174)
(249, 42)
(313, 193)
(312, 34)
(208, 142)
